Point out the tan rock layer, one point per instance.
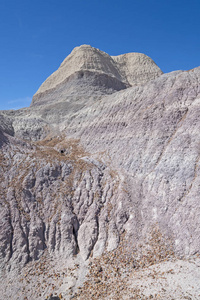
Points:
(130, 69)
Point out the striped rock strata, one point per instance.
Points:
(101, 173)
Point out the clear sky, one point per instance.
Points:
(36, 36)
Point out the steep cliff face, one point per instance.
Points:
(104, 166)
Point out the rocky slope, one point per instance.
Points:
(100, 182)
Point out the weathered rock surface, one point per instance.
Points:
(102, 169)
(103, 73)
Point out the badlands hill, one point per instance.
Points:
(100, 183)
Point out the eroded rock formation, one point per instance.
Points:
(104, 163)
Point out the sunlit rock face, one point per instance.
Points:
(103, 164)
(114, 72)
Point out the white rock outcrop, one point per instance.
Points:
(129, 69)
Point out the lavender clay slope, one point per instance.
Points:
(100, 183)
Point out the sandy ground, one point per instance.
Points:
(178, 279)
(172, 279)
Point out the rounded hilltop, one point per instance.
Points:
(130, 69)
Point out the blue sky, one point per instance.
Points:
(37, 35)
